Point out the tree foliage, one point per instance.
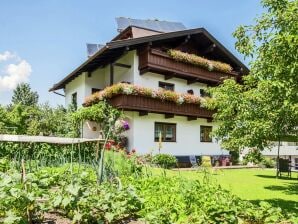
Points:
(23, 95)
(265, 106)
(102, 113)
(37, 120)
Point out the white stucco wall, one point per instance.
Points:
(125, 74)
(187, 136)
(98, 79)
(75, 86)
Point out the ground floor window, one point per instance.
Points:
(206, 133)
(167, 132)
(296, 163)
(74, 100)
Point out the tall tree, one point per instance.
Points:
(264, 107)
(24, 95)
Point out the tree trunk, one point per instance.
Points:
(277, 159)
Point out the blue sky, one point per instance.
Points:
(41, 41)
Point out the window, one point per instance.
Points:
(205, 133)
(203, 93)
(74, 100)
(296, 164)
(166, 86)
(95, 90)
(190, 91)
(167, 131)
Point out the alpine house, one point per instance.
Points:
(156, 72)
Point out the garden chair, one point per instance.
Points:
(283, 166)
(193, 161)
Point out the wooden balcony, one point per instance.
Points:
(150, 105)
(153, 60)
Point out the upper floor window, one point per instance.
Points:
(166, 86)
(95, 90)
(203, 93)
(74, 100)
(190, 91)
(165, 131)
(206, 133)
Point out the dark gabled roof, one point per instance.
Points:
(114, 49)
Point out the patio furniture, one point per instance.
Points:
(193, 161)
(283, 166)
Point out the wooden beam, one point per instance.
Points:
(209, 120)
(167, 77)
(191, 81)
(122, 65)
(191, 118)
(143, 113)
(111, 74)
(186, 39)
(167, 116)
(89, 74)
(60, 94)
(209, 49)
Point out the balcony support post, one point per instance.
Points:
(167, 116)
(143, 113)
(191, 118)
(191, 81)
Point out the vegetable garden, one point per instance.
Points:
(97, 183)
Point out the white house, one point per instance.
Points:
(139, 56)
(288, 150)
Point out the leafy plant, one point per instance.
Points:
(164, 160)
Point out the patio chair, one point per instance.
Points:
(193, 161)
(283, 166)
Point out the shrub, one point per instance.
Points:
(206, 162)
(254, 156)
(268, 163)
(164, 160)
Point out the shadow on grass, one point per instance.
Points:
(274, 177)
(289, 188)
(286, 205)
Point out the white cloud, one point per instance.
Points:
(14, 74)
(6, 56)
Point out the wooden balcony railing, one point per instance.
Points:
(151, 105)
(157, 61)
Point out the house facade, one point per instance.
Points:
(139, 57)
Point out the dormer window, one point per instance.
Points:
(166, 86)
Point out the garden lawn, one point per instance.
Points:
(256, 185)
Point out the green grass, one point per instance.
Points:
(255, 185)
